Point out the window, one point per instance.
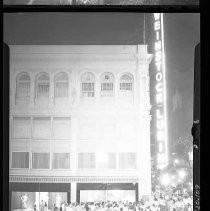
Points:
(41, 127)
(127, 128)
(126, 83)
(88, 83)
(21, 127)
(20, 159)
(127, 160)
(61, 85)
(23, 86)
(107, 85)
(61, 128)
(106, 160)
(42, 86)
(86, 160)
(40, 160)
(61, 161)
(87, 128)
(107, 128)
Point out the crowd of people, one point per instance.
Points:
(176, 202)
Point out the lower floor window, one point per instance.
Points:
(20, 159)
(127, 160)
(61, 161)
(40, 200)
(40, 160)
(86, 160)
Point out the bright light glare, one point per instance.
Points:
(176, 161)
(165, 179)
(182, 174)
(190, 154)
(102, 157)
(173, 177)
(173, 184)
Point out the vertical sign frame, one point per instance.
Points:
(160, 93)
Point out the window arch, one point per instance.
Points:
(42, 85)
(126, 83)
(107, 85)
(61, 85)
(23, 86)
(88, 85)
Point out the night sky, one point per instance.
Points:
(182, 33)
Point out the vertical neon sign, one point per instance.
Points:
(160, 95)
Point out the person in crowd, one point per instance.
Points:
(42, 206)
(159, 202)
(179, 204)
(162, 203)
(56, 209)
(45, 206)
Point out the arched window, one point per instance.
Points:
(23, 86)
(126, 83)
(42, 85)
(61, 85)
(107, 85)
(88, 85)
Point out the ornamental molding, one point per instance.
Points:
(86, 179)
(80, 58)
(71, 58)
(144, 59)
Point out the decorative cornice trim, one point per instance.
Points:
(92, 179)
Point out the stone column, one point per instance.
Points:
(73, 191)
(12, 90)
(145, 159)
(73, 146)
(51, 92)
(32, 89)
(97, 89)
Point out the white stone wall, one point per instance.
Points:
(75, 60)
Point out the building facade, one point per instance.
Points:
(79, 123)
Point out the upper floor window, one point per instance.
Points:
(107, 85)
(42, 85)
(61, 85)
(41, 127)
(21, 127)
(23, 86)
(126, 83)
(61, 128)
(88, 85)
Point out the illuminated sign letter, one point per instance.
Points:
(159, 87)
(157, 16)
(158, 45)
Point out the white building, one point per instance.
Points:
(79, 115)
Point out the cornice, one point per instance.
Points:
(84, 179)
